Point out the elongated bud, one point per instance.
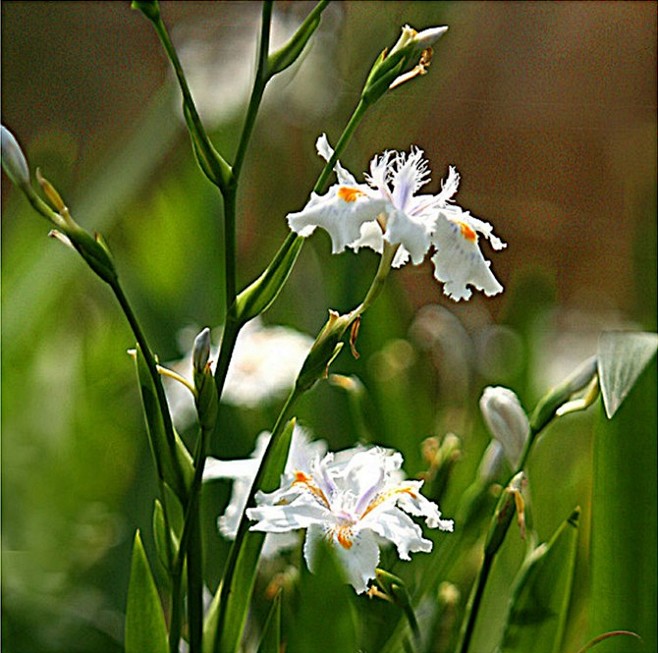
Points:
(506, 421)
(409, 57)
(260, 295)
(14, 162)
(509, 503)
(325, 348)
(551, 402)
(204, 383)
(201, 351)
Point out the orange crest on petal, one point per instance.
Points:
(468, 232)
(348, 194)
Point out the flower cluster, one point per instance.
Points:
(388, 209)
(355, 500)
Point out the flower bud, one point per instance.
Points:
(14, 162)
(506, 421)
(413, 41)
(201, 351)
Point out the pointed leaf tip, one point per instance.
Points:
(623, 356)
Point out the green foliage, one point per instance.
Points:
(623, 553)
(540, 598)
(324, 613)
(145, 623)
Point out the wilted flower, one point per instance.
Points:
(355, 500)
(265, 363)
(506, 421)
(243, 472)
(388, 209)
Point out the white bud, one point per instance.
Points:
(419, 41)
(201, 351)
(13, 159)
(506, 421)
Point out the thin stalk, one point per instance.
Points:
(231, 563)
(258, 89)
(474, 602)
(379, 281)
(190, 548)
(344, 139)
(222, 173)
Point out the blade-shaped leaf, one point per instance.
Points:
(173, 461)
(540, 599)
(271, 639)
(145, 622)
(623, 526)
(623, 356)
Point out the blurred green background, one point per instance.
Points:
(548, 110)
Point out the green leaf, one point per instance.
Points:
(271, 639)
(240, 573)
(210, 623)
(172, 460)
(323, 619)
(145, 622)
(623, 356)
(165, 543)
(540, 598)
(624, 522)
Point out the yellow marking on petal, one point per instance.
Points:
(343, 535)
(301, 478)
(468, 232)
(380, 498)
(348, 194)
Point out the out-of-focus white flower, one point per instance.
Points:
(388, 208)
(265, 363)
(355, 500)
(242, 473)
(506, 421)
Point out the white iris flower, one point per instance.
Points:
(243, 472)
(388, 208)
(355, 500)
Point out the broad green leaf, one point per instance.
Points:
(323, 621)
(624, 522)
(240, 573)
(623, 356)
(271, 639)
(540, 598)
(173, 461)
(145, 622)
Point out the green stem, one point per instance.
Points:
(344, 139)
(219, 169)
(231, 563)
(379, 281)
(262, 77)
(474, 604)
